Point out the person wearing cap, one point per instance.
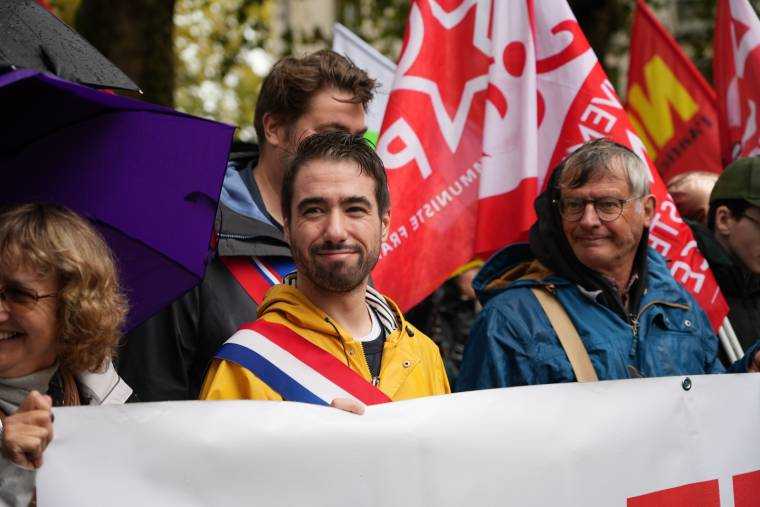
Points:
(731, 244)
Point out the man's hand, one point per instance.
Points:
(754, 366)
(348, 405)
(28, 432)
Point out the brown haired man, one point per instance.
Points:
(325, 336)
(166, 358)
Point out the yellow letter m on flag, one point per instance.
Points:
(664, 91)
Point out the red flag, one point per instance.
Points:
(484, 105)
(669, 102)
(736, 70)
(431, 143)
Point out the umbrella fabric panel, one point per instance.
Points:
(31, 37)
(147, 176)
(129, 170)
(151, 281)
(35, 105)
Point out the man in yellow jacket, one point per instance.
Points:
(326, 336)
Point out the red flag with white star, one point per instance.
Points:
(431, 142)
(486, 101)
(736, 70)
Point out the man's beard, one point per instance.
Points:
(336, 276)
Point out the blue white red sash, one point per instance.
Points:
(294, 367)
(258, 274)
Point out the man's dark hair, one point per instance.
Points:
(337, 146)
(737, 207)
(288, 89)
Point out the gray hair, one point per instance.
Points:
(594, 159)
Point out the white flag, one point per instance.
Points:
(375, 64)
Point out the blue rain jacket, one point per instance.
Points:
(512, 342)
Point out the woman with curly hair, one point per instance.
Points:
(61, 312)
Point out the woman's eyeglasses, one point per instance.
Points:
(16, 296)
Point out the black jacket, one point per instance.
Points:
(166, 357)
(739, 286)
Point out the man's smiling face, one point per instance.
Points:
(605, 245)
(335, 228)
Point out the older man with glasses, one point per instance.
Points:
(587, 299)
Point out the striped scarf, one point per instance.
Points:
(375, 301)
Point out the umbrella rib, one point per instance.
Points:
(147, 246)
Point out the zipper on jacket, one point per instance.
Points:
(635, 330)
(374, 380)
(229, 235)
(634, 320)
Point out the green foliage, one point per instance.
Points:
(66, 10)
(379, 22)
(220, 58)
(223, 48)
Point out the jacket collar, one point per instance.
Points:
(388, 316)
(241, 235)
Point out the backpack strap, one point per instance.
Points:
(568, 336)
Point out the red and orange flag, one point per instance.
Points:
(670, 104)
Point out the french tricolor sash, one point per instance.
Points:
(294, 367)
(258, 274)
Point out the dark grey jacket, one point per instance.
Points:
(739, 286)
(166, 357)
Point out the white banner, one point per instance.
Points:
(600, 444)
(375, 64)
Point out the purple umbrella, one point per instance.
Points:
(147, 176)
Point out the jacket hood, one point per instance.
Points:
(292, 305)
(242, 228)
(242, 235)
(554, 255)
(505, 268)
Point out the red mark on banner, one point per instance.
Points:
(397, 145)
(514, 58)
(740, 29)
(540, 107)
(578, 45)
(498, 100)
(699, 494)
(747, 489)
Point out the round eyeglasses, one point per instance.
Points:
(608, 209)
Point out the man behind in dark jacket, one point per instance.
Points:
(166, 357)
(732, 244)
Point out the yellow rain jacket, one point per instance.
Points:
(411, 364)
